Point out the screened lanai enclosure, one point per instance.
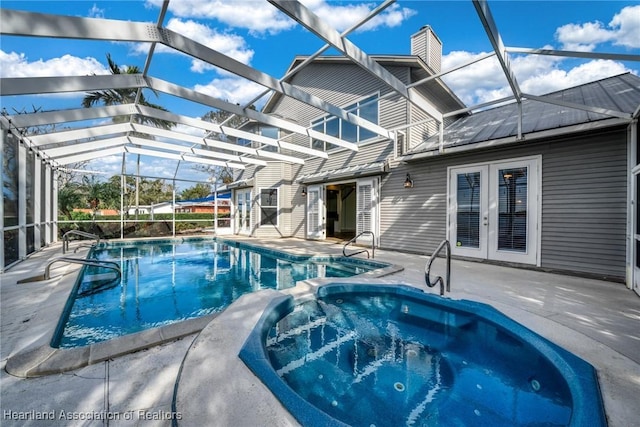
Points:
(118, 124)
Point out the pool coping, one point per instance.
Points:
(580, 375)
(39, 358)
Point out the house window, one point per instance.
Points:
(270, 132)
(269, 206)
(366, 108)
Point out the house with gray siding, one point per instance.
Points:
(543, 183)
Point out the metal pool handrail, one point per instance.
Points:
(373, 245)
(90, 262)
(427, 268)
(65, 238)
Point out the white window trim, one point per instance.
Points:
(277, 206)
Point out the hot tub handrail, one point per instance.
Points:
(90, 262)
(427, 269)
(373, 245)
(65, 238)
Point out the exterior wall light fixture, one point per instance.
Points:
(408, 183)
(304, 192)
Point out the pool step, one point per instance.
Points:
(101, 277)
(99, 282)
(414, 311)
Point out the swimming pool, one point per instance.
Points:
(168, 281)
(390, 355)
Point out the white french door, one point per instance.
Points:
(315, 212)
(493, 210)
(243, 211)
(367, 209)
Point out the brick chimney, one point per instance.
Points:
(426, 44)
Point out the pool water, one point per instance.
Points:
(164, 282)
(379, 360)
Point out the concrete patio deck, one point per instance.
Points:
(597, 320)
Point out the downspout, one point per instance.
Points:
(632, 202)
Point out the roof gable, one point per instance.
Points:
(435, 89)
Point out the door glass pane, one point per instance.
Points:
(512, 209)
(240, 212)
(468, 210)
(247, 210)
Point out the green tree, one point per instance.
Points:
(99, 194)
(198, 191)
(69, 198)
(154, 191)
(221, 174)
(125, 96)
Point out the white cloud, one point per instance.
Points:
(263, 18)
(343, 16)
(96, 12)
(229, 44)
(557, 79)
(259, 17)
(627, 27)
(235, 90)
(623, 30)
(18, 65)
(536, 74)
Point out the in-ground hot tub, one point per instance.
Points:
(391, 355)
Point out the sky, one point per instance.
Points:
(257, 34)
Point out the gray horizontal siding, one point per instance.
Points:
(584, 195)
(274, 175)
(584, 205)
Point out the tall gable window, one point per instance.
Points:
(366, 108)
(268, 131)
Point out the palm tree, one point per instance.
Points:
(125, 96)
(69, 197)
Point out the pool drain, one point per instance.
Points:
(411, 353)
(399, 386)
(339, 301)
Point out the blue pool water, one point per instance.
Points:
(164, 282)
(393, 356)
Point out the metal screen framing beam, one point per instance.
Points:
(490, 27)
(58, 26)
(182, 92)
(215, 143)
(89, 156)
(63, 84)
(183, 157)
(78, 134)
(72, 115)
(194, 151)
(574, 54)
(93, 146)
